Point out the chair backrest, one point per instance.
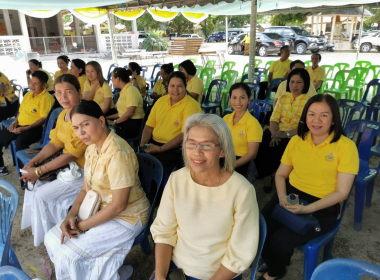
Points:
(329, 71)
(176, 67)
(342, 78)
(262, 236)
(50, 123)
(348, 109)
(144, 70)
(373, 110)
(193, 60)
(228, 65)
(51, 75)
(260, 109)
(245, 71)
(341, 66)
(273, 83)
(375, 71)
(261, 72)
(363, 63)
(156, 67)
(255, 87)
(307, 63)
(206, 76)
(113, 66)
(11, 272)
(219, 85)
(199, 70)
(158, 76)
(229, 76)
(18, 90)
(210, 64)
(258, 62)
(372, 85)
(345, 269)
(361, 74)
(13, 81)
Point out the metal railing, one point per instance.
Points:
(9, 46)
(63, 44)
(81, 43)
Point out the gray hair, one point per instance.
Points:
(221, 129)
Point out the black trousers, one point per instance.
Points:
(23, 140)
(263, 90)
(268, 159)
(129, 129)
(280, 241)
(111, 112)
(243, 169)
(168, 158)
(10, 110)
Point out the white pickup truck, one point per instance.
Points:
(368, 42)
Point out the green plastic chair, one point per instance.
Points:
(307, 63)
(199, 70)
(329, 71)
(374, 72)
(363, 63)
(210, 64)
(267, 66)
(258, 62)
(228, 65)
(341, 66)
(356, 89)
(245, 71)
(176, 67)
(194, 60)
(229, 76)
(340, 83)
(206, 76)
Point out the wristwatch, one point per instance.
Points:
(115, 120)
(287, 134)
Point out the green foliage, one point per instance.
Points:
(375, 10)
(288, 19)
(180, 25)
(67, 18)
(127, 23)
(146, 23)
(155, 41)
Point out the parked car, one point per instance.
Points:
(172, 35)
(302, 39)
(369, 42)
(269, 43)
(236, 46)
(190, 36)
(217, 36)
(364, 33)
(231, 36)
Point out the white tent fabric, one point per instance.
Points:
(40, 13)
(160, 19)
(94, 20)
(194, 20)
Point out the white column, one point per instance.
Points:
(44, 32)
(321, 25)
(356, 24)
(351, 29)
(111, 28)
(100, 40)
(135, 41)
(312, 24)
(8, 24)
(24, 29)
(60, 24)
(333, 28)
(76, 26)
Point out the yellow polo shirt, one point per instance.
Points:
(64, 136)
(316, 75)
(282, 89)
(315, 168)
(82, 79)
(130, 97)
(50, 80)
(246, 130)
(196, 85)
(159, 87)
(142, 84)
(101, 93)
(280, 68)
(168, 121)
(59, 73)
(7, 87)
(288, 111)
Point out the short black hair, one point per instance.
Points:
(168, 68)
(80, 64)
(41, 75)
(189, 67)
(319, 56)
(304, 76)
(178, 74)
(336, 126)
(135, 67)
(68, 78)
(36, 62)
(65, 58)
(88, 108)
(122, 73)
(283, 47)
(295, 62)
(242, 86)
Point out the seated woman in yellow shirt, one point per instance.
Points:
(78, 69)
(95, 248)
(317, 73)
(48, 202)
(138, 81)
(32, 114)
(207, 209)
(9, 102)
(130, 111)
(194, 85)
(164, 127)
(97, 89)
(283, 125)
(63, 65)
(161, 86)
(321, 164)
(246, 131)
(35, 65)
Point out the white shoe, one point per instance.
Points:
(125, 272)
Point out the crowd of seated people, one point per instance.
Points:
(203, 196)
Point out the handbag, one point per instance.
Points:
(90, 205)
(300, 224)
(176, 274)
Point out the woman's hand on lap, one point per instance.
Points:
(283, 201)
(154, 149)
(275, 141)
(68, 228)
(298, 209)
(31, 176)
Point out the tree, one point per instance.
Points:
(146, 23)
(288, 19)
(180, 25)
(67, 18)
(375, 10)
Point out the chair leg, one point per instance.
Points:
(310, 261)
(369, 192)
(360, 186)
(145, 246)
(327, 250)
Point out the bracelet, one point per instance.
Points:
(38, 172)
(77, 227)
(45, 168)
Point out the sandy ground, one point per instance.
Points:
(364, 245)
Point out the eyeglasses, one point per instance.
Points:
(205, 146)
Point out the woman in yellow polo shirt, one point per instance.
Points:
(164, 127)
(33, 111)
(63, 65)
(321, 164)
(317, 73)
(161, 86)
(97, 89)
(130, 111)
(194, 85)
(246, 131)
(9, 102)
(35, 65)
(78, 69)
(283, 125)
(138, 81)
(48, 202)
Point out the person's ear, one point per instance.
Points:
(222, 155)
(45, 85)
(102, 121)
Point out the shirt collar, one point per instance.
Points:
(108, 141)
(42, 93)
(127, 85)
(243, 120)
(284, 60)
(185, 99)
(324, 143)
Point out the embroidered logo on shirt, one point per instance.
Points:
(241, 134)
(330, 157)
(34, 110)
(176, 123)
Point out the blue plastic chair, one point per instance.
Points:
(273, 83)
(211, 106)
(12, 273)
(8, 212)
(312, 248)
(230, 110)
(113, 66)
(345, 269)
(375, 85)
(260, 109)
(150, 170)
(262, 236)
(144, 70)
(348, 109)
(153, 76)
(363, 132)
(373, 115)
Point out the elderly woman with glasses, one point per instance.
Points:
(206, 209)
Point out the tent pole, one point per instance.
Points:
(110, 30)
(227, 33)
(252, 43)
(360, 34)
